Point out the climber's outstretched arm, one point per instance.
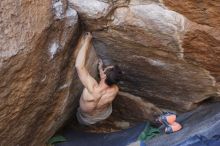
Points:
(87, 80)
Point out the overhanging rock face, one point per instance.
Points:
(165, 56)
(39, 86)
(169, 53)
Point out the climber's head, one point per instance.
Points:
(113, 74)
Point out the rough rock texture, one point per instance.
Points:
(201, 42)
(134, 109)
(201, 12)
(39, 86)
(167, 58)
(169, 52)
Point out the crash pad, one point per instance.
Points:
(120, 138)
(203, 121)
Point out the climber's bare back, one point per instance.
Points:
(97, 101)
(96, 97)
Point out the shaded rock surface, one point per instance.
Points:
(167, 58)
(168, 51)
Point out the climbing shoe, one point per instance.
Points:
(173, 128)
(167, 118)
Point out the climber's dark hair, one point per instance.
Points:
(113, 75)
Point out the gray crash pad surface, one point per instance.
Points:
(204, 121)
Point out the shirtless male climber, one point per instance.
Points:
(96, 99)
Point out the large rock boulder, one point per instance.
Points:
(168, 51)
(39, 86)
(167, 58)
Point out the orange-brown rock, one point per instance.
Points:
(202, 40)
(39, 85)
(201, 12)
(169, 53)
